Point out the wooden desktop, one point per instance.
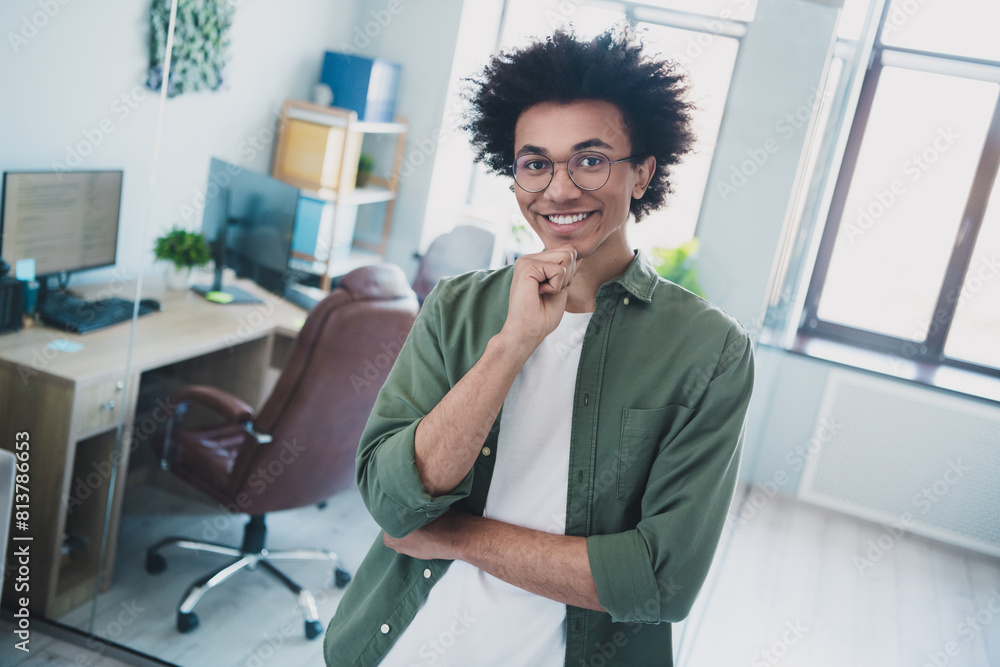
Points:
(73, 405)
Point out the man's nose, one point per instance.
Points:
(562, 186)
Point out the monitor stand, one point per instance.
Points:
(216, 292)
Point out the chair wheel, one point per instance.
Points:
(341, 578)
(313, 629)
(187, 622)
(155, 563)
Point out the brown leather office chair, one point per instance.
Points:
(299, 448)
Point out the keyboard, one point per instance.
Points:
(303, 296)
(80, 316)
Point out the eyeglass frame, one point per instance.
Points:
(552, 170)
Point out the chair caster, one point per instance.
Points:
(313, 629)
(155, 563)
(341, 578)
(187, 622)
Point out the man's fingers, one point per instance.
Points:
(554, 270)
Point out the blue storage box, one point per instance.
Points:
(365, 85)
(324, 230)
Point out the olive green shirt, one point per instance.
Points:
(661, 395)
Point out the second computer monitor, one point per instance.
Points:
(250, 219)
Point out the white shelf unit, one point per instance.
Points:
(317, 151)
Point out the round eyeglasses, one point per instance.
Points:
(589, 170)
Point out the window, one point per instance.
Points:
(908, 260)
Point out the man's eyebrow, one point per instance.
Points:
(591, 143)
(530, 149)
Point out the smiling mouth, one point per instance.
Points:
(567, 219)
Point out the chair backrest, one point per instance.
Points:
(322, 399)
(465, 248)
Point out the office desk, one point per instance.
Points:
(72, 405)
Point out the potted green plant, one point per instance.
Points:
(181, 250)
(365, 165)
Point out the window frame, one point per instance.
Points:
(930, 351)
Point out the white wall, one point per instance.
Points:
(780, 66)
(422, 38)
(67, 81)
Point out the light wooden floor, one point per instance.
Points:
(800, 585)
(786, 589)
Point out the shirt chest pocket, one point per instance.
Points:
(642, 433)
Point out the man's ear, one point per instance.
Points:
(643, 176)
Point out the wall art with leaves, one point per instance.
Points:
(200, 49)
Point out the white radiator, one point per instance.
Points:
(907, 457)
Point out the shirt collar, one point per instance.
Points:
(640, 278)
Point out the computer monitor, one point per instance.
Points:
(66, 221)
(249, 218)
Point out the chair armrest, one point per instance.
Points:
(232, 409)
(222, 402)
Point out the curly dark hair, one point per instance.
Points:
(651, 94)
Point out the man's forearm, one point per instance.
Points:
(553, 566)
(448, 440)
(550, 565)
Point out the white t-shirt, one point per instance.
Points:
(473, 618)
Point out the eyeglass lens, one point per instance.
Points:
(589, 171)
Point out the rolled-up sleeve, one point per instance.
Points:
(653, 573)
(386, 469)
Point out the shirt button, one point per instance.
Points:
(625, 301)
(586, 399)
(385, 628)
(487, 451)
(427, 573)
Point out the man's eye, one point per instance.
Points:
(536, 165)
(590, 161)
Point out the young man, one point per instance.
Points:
(554, 451)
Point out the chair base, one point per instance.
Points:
(251, 555)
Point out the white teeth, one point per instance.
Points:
(567, 219)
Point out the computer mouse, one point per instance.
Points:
(151, 304)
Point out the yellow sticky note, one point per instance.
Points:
(219, 297)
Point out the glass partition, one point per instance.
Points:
(206, 153)
(78, 142)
